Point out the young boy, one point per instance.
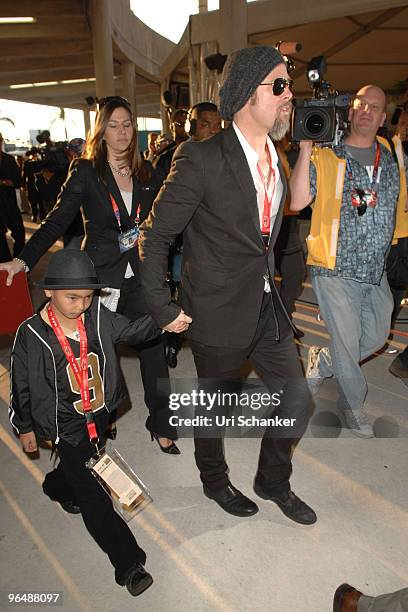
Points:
(62, 358)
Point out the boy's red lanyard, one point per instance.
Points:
(267, 204)
(80, 372)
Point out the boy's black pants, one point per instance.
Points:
(72, 481)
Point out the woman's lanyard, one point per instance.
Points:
(115, 210)
(267, 203)
(117, 213)
(80, 371)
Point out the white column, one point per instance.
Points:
(102, 47)
(87, 121)
(129, 84)
(234, 29)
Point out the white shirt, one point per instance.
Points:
(127, 198)
(275, 187)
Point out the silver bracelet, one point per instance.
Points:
(26, 268)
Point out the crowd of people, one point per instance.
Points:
(214, 200)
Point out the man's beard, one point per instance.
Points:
(280, 127)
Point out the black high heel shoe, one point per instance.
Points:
(169, 450)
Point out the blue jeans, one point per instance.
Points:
(357, 317)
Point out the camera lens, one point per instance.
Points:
(314, 124)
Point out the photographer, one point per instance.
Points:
(356, 187)
(10, 215)
(51, 171)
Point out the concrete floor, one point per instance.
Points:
(201, 558)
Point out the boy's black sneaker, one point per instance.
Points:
(139, 580)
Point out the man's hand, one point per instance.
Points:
(12, 268)
(29, 442)
(6, 183)
(306, 146)
(299, 182)
(180, 324)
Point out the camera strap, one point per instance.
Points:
(80, 371)
(267, 202)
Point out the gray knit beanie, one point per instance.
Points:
(244, 70)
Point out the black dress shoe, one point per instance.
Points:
(70, 507)
(293, 507)
(346, 599)
(139, 580)
(231, 500)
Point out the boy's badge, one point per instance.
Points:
(128, 493)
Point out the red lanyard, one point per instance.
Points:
(80, 372)
(375, 170)
(137, 220)
(117, 213)
(267, 204)
(115, 210)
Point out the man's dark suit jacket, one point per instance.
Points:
(210, 196)
(83, 190)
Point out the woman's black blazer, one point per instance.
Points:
(85, 191)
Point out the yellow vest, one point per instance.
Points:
(324, 228)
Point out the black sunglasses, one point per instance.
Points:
(279, 85)
(103, 101)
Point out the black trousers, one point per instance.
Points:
(10, 217)
(153, 365)
(292, 268)
(5, 254)
(72, 481)
(277, 363)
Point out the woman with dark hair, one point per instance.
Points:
(114, 188)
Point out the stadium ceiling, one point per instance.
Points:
(51, 60)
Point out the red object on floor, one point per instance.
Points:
(15, 302)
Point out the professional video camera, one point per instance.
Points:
(53, 155)
(323, 118)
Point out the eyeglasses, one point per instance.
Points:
(279, 85)
(103, 101)
(179, 123)
(361, 105)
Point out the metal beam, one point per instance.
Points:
(47, 29)
(17, 64)
(43, 48)
(178, 54)
(40, 8)
(45, 74)
(207, 26)
(348, 40)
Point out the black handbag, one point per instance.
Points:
(397, 265)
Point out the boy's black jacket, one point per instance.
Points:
(33, 394)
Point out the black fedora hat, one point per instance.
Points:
(70, 269)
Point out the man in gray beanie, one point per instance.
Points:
(226, 194)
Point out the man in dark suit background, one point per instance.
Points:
(227, 195)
